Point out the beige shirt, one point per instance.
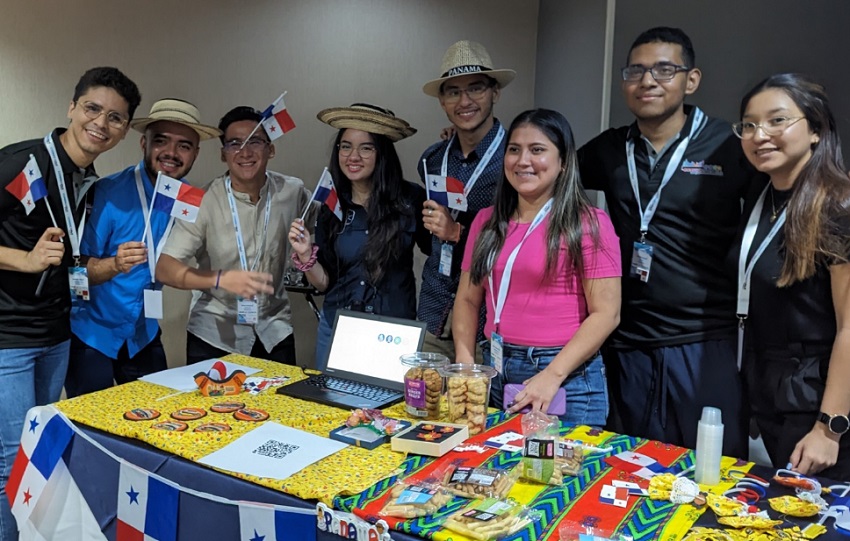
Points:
(211, 240)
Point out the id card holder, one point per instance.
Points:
(496, 351)
(446, 250)
(153, 304)
(641, 261)
(246, 311)
(78, 280)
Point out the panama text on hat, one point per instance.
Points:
(463, 58)
(179, 111)
(368, 118)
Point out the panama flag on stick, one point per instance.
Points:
(325, 192)
(276, 120)
(28, 187)
(177, 199)
(447, 191)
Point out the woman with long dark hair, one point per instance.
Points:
(364, 261)
(547, 264)
(794, 276)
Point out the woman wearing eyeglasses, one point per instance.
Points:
(364, 261)
(794, 277)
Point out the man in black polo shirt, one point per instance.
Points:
(39, 247)
(675, 349)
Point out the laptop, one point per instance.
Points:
(364, 370)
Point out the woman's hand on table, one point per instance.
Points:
(538, 392)
(817, 451)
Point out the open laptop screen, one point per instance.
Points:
(371, 345)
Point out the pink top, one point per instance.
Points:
(540, 311)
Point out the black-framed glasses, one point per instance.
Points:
(770, 127)
(93, 111)
(662, 71)
(255, 144)
(365, 151)
(475, 91)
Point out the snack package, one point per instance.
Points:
(374, 420)
(415, 499)
(539, 444)
(570, 530)
(478, 482)
(490, 519)
(569, 457)
(468, 392)
(423, 384)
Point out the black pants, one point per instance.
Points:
(197, 350)
(89, 370)
(785, 390)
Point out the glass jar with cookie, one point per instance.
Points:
(423, 384)
(468, 393)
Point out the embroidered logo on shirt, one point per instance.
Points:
(702, 168)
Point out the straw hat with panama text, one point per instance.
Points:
(179, 111)
(465, 58)
(368, 118)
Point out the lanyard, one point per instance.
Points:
(74, 233)
(491, 150)
(745, 270)
(140, 187)
(672, 166)
(240, 244)
(499, 305)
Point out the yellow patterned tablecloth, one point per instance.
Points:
(349, 471)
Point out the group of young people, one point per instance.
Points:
(663, 297)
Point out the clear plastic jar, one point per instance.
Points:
(468, 393)
(423, 384)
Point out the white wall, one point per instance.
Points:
(219, 54)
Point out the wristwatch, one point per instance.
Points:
(837, 424)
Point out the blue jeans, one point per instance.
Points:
(323, 342)
(31, 377)
(586, 386)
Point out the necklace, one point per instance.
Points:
(775, 211)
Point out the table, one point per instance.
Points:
(355, 480)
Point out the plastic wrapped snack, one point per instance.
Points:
(489, 519)
(539, 446)
(412, 499)
(478, 482)
(569, 457)
(468, 392)
(423, 384)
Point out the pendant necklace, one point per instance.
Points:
(775, 211)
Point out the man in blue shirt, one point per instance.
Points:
(116, 334)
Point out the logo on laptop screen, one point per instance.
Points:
(389, 339)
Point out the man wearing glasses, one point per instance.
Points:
(42, 205)
(116, 333)
(239, 241)
(467, 88)
(674, 180)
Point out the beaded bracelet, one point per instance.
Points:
(304, 267)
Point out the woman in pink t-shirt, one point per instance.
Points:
(547, 264)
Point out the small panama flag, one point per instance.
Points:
(28, 187)
(326, 193)
(276, 120)
(176, 198)
(447, 191)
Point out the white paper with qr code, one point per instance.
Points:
(272, 450)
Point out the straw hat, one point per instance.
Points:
(463, 58)
(369, 118)
(179, 111)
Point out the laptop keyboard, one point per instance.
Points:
(363, 390)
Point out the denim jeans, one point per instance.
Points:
(586, 386)
(31, 377)
(323, 342)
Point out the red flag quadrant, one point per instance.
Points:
(177, 199)
(28, 186)
(326, 194)
(447, 191)
(147, 507)
(276, 120)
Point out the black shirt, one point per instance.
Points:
(27, 321)
(348, 282)
(691, 294)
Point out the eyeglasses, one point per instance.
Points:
(254, 144)
(772, 126)
(662, 71)
(365, 151)
(93, 111)
(475, 91)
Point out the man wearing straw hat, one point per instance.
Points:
(116, 334)
(239, 241)
(468, 87)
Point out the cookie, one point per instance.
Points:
(171, 426)
(212, 427)
(251, 414)
(189, 414)
(227, 407)
(141, 414)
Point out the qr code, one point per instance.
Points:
(275, 449)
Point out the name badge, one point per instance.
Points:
(246, 311)
(153, 304)
(496, 351)
(78, 279)
(446, 259)
(641, 261)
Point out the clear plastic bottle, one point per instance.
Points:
(709, 447)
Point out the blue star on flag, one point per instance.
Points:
(134, 496)
(33, 424)
(257, 536)
(168, 186)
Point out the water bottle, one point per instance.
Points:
(709, 447)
